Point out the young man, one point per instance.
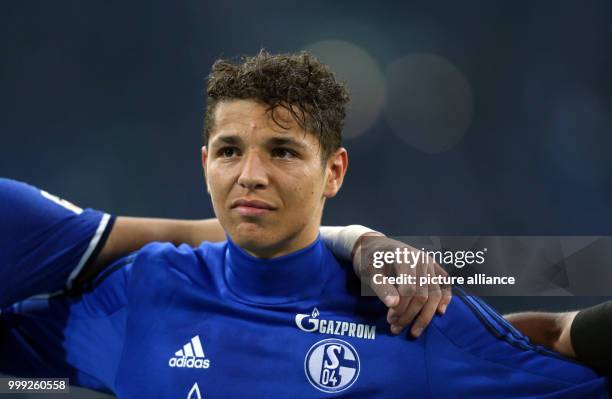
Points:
(270, 312)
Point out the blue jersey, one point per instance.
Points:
(44, 241)
(215, 322)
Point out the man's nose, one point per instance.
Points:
(253, 175)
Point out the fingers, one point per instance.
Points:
(419, 311)
(414, 306)
(429, 308)
(445, 290)
(415, 301)
(422, 303)
(413, 298)
(447, 296)
(387, 293)
(394, 314)
(427, 312)
(406, 293)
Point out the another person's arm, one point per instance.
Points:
(551, 330)
(44, 241)
(131, 233)
(584, 335)
(48, 245)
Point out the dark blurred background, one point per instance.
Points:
(472, 117)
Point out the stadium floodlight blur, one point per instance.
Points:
(429, 103)
(355, 66)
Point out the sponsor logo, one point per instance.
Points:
(312, 323)
(190, 356)
(332, 365)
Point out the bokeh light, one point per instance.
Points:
(429, 102)
(355, 66)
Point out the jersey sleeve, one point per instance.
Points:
(590, 334)
(44, 241)
(75, 337)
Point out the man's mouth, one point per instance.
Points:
(246, 207)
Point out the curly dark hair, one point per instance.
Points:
(297, 82)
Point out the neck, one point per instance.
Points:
(296, 242)
(277, 250)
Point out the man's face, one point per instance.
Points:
(267, 183)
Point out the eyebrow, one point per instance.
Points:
(228, 139)
(280, 141)
(274, 141)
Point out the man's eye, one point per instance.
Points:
(227, 152)
(283, 153)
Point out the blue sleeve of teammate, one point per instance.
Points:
(44, 241)
(75, 337)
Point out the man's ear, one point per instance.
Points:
(336, 169)
(204, 158)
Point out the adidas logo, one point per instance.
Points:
(191, 356)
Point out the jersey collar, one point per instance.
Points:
(288, 278)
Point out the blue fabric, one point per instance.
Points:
(168, 319)
(41, 241)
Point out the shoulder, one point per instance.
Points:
(156, 257)
(170, 254)
(162, 264)
(342, 280)
(160, 256)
